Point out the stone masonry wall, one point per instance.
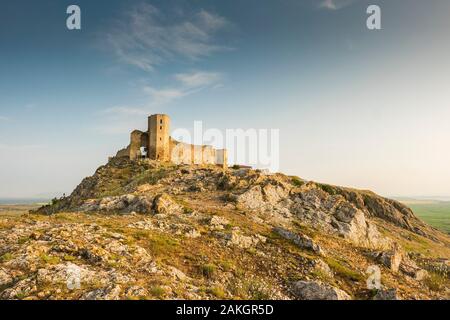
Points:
(160, 146)
(138, 140)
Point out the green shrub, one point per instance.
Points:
(341, 270)
(68, 257)
(254, 289)
(226, 265)
(150, 176)
(188, 210)
(162, 245)
(218, 292)
(327, 188)
(6, 257)
(229, 197)
(157, 291)
(296, 181)
(49, 259)
(208, 270)
(435, 281)
(23, 240)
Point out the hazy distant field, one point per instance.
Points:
(11, 210)
(435, 213)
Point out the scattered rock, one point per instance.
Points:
(251, 199)
(236, 238)
(440, 266)
(19, 290)
(323, 268)
(391, 258)
(386, 294)
(164, 204)
(69, 274)
(112, 292)
(303, 241)
(274, 193)
(315, 290)
(410, 268)
(117, 260)
(177, 274)
(217, 222)
(125, 204)
(136, 292)
(5, 278)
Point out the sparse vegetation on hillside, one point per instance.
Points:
(144, 230)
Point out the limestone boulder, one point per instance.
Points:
(316, 290)
(238, 239)
(125, 204)
(217, 222)
(334, 214)
(251, 199)
(387, 294)
(111, 292)
(164, 204)
(303, 241)
(274, 193)
(69, 274)
(410, 268)
(392, 258)
(322, 267)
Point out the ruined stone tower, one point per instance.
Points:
(159, 137)
(138, 141)
(156, 144)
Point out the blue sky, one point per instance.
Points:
(361, 108)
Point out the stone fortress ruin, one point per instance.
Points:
(157, 144)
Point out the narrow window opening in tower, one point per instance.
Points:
(160, 121)
(160, 128)
(160, 139)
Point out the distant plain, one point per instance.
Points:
(434, 212)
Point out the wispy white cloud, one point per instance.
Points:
(2, 118)
(335, 4)
(165, 95)
(186, 84)
(146, 37)
(124, 110)
(199, 79)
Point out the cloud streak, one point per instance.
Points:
(186, 84)
(335, 4)
(147, 37)
(198, 79)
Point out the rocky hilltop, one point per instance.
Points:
(151, 230)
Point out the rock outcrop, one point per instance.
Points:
(303, 241)
(386, 294)
(314, 290)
